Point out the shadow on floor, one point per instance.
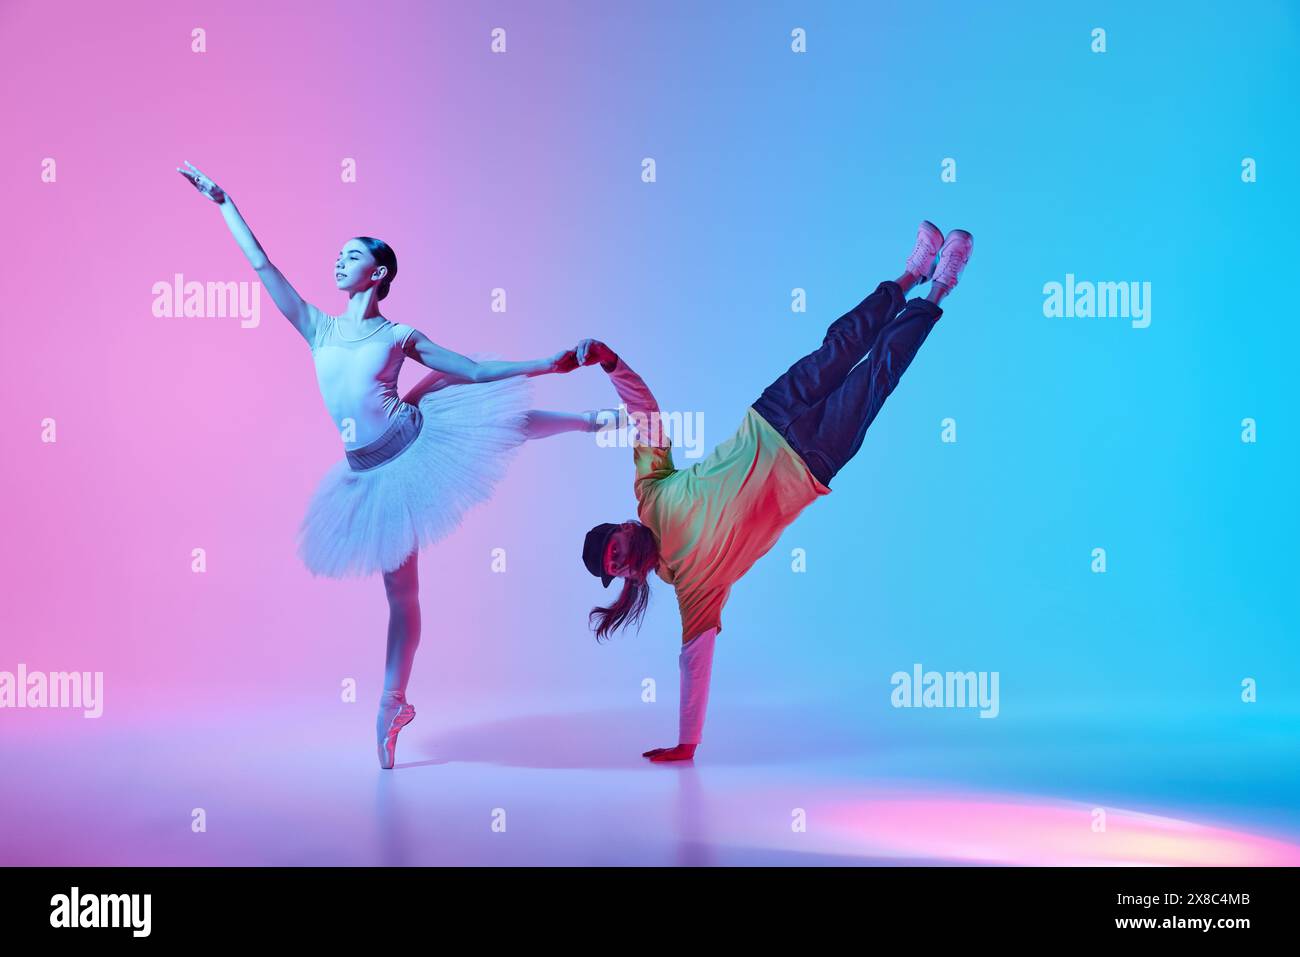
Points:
(614, 739)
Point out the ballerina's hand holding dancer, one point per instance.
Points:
(701, 529)
(412, 465)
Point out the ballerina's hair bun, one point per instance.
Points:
(384, 256)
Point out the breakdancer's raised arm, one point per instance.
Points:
(702, 528)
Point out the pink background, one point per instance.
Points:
(187, 432)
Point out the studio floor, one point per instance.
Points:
(771, 786)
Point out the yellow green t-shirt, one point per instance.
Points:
(715, 519)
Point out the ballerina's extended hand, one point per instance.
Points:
(565, 361)
(203, 183)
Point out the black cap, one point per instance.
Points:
(593, 551)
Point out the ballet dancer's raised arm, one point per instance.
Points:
(285, 297)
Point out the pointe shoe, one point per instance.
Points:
(928, 240)
(953, 257)
(399, 718)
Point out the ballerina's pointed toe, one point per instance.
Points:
(388, 740)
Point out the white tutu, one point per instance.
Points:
(360, 523)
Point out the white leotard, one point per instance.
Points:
(358, 377)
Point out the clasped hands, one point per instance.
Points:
(585, 353)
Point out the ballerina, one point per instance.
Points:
(413, 465)
(701, 529)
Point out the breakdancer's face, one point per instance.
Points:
(355, 268)
(617, 550)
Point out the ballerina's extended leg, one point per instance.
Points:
(542, 423)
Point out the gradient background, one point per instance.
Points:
(775, 171)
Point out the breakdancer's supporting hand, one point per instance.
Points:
(682, 752)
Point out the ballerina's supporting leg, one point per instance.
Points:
(403, 588)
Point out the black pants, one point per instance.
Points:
(823, 403)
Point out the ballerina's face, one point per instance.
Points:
(355, 269)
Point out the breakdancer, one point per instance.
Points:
(702, 528)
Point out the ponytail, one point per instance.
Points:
(630, 606)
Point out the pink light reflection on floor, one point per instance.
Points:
(975, 830)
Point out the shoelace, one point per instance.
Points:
(948, 268)
(919, 260)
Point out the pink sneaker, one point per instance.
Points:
(394, 715)
(928, 241)
(953, 257)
